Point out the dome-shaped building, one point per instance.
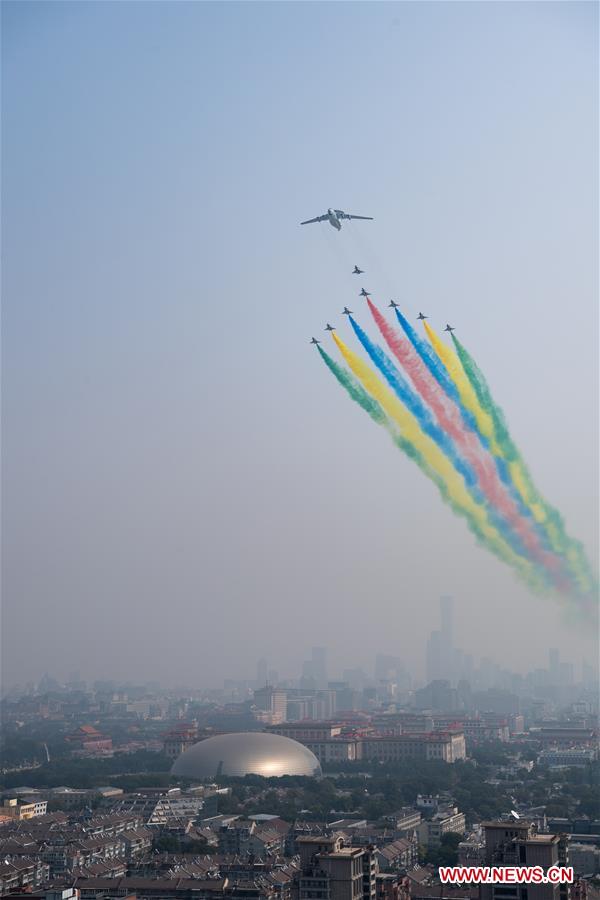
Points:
(246, 753)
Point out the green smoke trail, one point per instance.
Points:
(355, 389)
(572, 549)
(371, 406)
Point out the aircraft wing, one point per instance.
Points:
(318, 219)
(347, 216)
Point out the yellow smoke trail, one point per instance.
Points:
(485, 423)
(439, 463)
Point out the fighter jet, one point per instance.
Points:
(346, 311)
(448, 328)
(330, 327)
(335, 217)
(421, 316)
(357, 271)
(392, 304)
(314, 341)
(364, 293)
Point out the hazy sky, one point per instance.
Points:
(185, 487)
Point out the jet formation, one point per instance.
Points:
(392, 304)
(335, 217)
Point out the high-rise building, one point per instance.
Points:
(434, 662)
(516, 843)
(355, 678)
(261, 673)
(565, 674)
(589, 675)
(314, 670)
(330, 871)
(437, 695)
(442, 660)
(272, 701)
(387, 667)
(319, 666)
(554, 665)
(447, 616)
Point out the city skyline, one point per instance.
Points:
(389, 669)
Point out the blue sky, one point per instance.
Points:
(171, 443)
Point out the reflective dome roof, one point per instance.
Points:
(247, 753)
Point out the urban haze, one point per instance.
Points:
(185, 488)
(248, 651)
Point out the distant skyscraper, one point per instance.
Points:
(554, 665)
(441, 658)
(314, 670)
(319, 666)
(261, 673)
(468, 667)
(447, 615)
(565, 674)
(271, 701)
(388, 668)
(356, 679)
(589, 675)
(308, 682)
(434, 668)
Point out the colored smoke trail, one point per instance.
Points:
(502, 515)
(375, 411)
(463, 386)
(431, 360)
(355, 389)
(441, 401)
(439, 372)
(436, 368)
(453, 488)
(573, 549)
(485, 427)
(485, 423)
(413, 403)
(448, 415)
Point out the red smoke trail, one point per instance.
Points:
(468, 443)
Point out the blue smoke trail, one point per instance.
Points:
(432, 361)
